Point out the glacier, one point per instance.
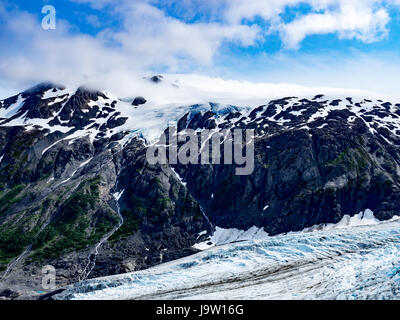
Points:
(357, 262)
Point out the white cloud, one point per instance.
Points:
(364, 20)
(93, 20)
(349, 21)
(148, 39)
(150, 33)
(237, 10)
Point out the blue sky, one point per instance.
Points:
(337, 43)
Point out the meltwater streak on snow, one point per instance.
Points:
(354, 263)
(178, 177)
(206, 217)
(73, 173)
(93, 254)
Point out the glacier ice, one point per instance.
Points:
(360, 262)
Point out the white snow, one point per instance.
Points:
(85, 163)
(338, 183)
(49, 94)
(50, 146)
(118, 195)
(178, 177)
(223, 236)
(73, 173)
(58, 100)
(166, 103)
(12, 109)
(364, 218)
(202, 233)
(70, 177)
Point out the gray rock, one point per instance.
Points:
(138, 101)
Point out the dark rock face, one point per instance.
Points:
(77, 111)
(202, 121)
(157, 79)
(9, 294)
(315, 161)
(138, 101)
(302, 177)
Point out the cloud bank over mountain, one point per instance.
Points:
(110, 44)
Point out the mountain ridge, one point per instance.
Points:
(64, 154)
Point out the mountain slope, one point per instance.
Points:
(64, 153)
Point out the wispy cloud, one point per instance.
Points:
(364, 20)
(349, 21)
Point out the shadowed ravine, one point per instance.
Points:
(93, 254)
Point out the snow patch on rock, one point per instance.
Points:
(364, 218)
(223, 236)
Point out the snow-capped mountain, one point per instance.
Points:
(76, 191)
